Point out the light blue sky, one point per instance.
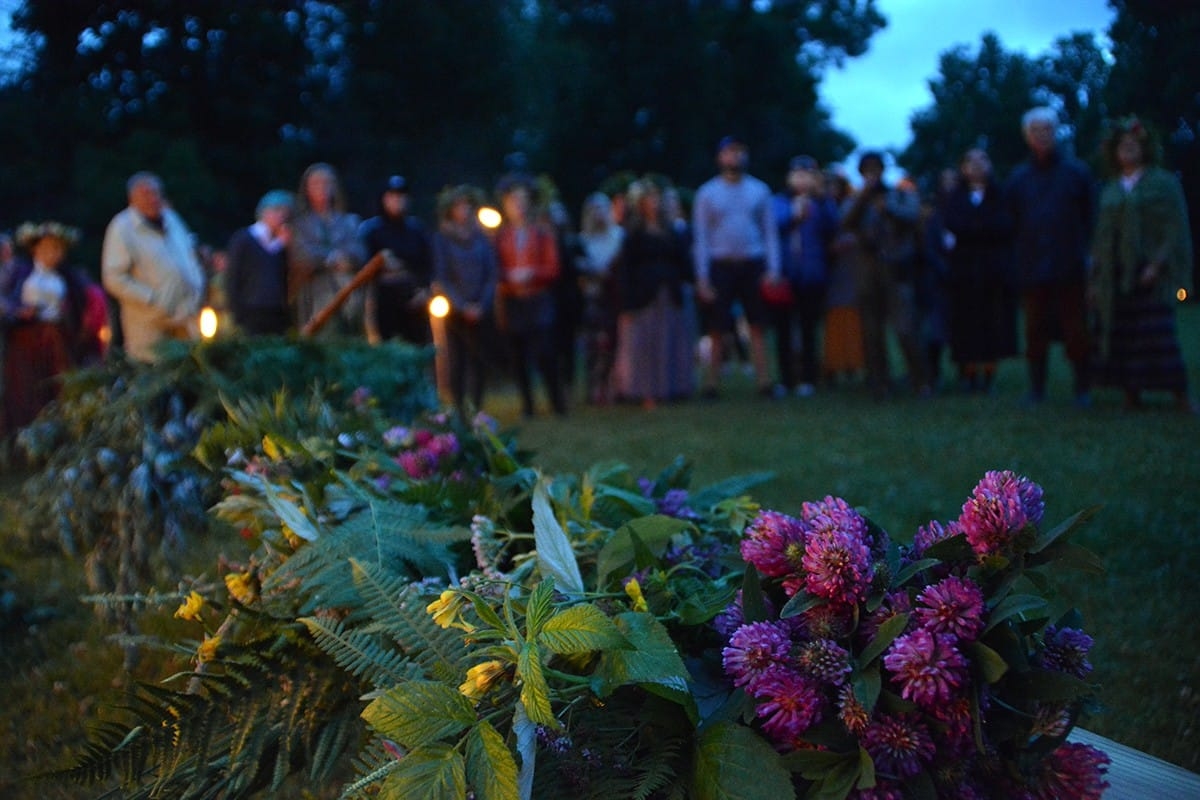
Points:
(873, 96)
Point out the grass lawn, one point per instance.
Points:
(906, 461)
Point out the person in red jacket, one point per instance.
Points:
(528, 258)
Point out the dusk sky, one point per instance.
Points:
(873, 96)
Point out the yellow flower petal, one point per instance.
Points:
(634, 590)
(190, 608)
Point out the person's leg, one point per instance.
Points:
(519, 350)
(781, 323)
(1072, 311)
(548, 356)
(811, 305)
(1035, 302)
(902, 316)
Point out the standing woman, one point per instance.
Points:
(981, 274)
(1141, 256)
(45, 306)
(654, 348)
(324, 252)
(527, 255)
(599, 238)
(464, 270)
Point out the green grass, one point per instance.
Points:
(906, 461)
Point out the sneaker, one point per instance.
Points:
(805, 390)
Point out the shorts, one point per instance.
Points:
(736, 280)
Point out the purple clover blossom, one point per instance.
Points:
(793, 705)
(774, 544)
(416, 464)
(851, 712)
(1066, 650)
(898, 745)
(824, 660)
(954, 606)
(443, 445)
(674, 504)
(837, 566)
(733, 617)
(928, 667)
(754, 650)
(954, 734)
(837, 513)
(1001, 505)
(931, 534)
(894, 604)
(829, 621)
(1073, 770)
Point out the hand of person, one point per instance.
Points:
(520, 275)
(705, 292)
(27, 313)
(339, 261)
(284, 235)
(800, 205)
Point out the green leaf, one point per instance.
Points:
(525, 732)
(1050, 685)
(887, 634)
(732, 762)
(1014, 605)
(1072, 556)
(1065, 527)
(435, 772)
(535, 692)
(580, 629)
(912, 569)
(800, 602)
(838, 782)
(540, 607)
(990, 663)
(866, 770)
(555, 556)
(813, 765)
(417, 713)
(655, 533)
(653, 659)
(486, 613)
(867, 684)
(754, 609)
(955, 548)
(712, 494)
(491, 768)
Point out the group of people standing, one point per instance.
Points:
(827, 269)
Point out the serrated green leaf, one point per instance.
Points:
(1014, 605)
(1065, 527)
(655, 534)
(535, 692)
(555, 556)
(800, 602)
(485, 612)
(652, 659)
(435, 772)
(491, 768)
(990, 663)
(580, 629)
(732, 762)
(539, 608)
(887, 634)
(418, 713)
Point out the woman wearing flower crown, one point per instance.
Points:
(1141, 256)
(44, 305)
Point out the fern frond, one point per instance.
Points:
(362, 653)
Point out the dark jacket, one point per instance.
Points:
(405, 237)
(1052, 204)
(804, 244)
(256, 280)
(982, 253)
(648, 261)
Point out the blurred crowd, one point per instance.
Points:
(660, 291)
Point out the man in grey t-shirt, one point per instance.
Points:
(736, 250)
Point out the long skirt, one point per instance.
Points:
(36, 355)
(655, 353)
(1143, 346)
(843, 340)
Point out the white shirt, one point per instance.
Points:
(44, 290)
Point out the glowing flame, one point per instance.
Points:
(489, 217)
(208, 322)
(439, 306)
(1181, 295)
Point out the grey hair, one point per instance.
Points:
(138, 178)
(1040, 114)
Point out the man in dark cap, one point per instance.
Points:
(395, 306)
(736, 250)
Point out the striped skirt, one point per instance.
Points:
(1143, 346)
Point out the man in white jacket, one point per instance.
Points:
(149, 265)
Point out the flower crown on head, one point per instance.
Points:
(30, 233)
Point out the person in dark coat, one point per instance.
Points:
(981, 278)
(1052, 201)
(396, 301)
(256, 276)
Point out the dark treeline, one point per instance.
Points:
(228, 98)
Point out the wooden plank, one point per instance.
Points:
(1134, 775)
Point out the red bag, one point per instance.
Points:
(778, 293)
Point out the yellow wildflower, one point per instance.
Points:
(190, 608)
(242, 587)
(208, 648)
(634, 590)
(480, 679)
(445, 608)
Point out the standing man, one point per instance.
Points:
(395, 304)
(149, 265)
(1051, 200)
(736, 250)
(256, 278)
